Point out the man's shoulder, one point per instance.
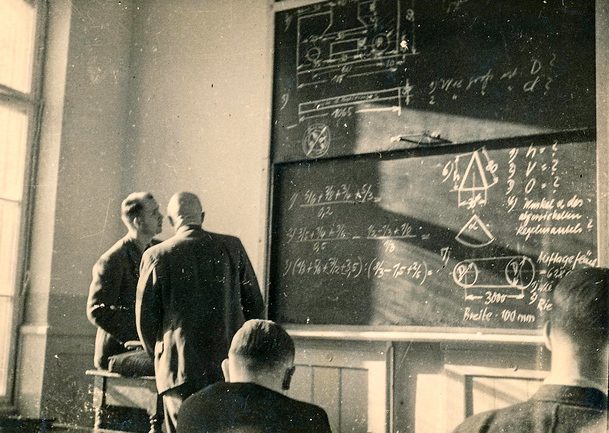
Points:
(215, 391)
(309, 415)
(118, 251)
(304, 406)
(158, 248)
(223, 238)
(477, 423)
(209, 406)
(517, 417)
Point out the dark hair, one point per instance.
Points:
(579, 305)
(262, 345)
(133, 205)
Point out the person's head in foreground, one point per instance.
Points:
(261, 352)
(573, 398)
(259, 366)
(576, 328)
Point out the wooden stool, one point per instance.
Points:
(115, 393)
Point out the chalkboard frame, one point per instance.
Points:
(416, 332)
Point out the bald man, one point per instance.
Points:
(195, 291)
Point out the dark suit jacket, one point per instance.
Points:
(248, 408)
(111, 302)
(195, 291)
(553, 409)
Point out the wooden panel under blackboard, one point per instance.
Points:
(476, 237)
(358, 76)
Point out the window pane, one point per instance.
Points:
(6, 318)
(10, 216)
(13, 142)
(17, 32)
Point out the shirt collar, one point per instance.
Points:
(188, 227)
(575, 381)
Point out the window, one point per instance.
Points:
(19, 35)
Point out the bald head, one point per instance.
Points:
(184, 208)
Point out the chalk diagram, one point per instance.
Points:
(334, 38)
(316, 140)
(388, 99)
(475, 234)
(518, 274)
(472, 186)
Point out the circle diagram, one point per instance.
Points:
(380, 43)
(465, 274)
(519, 272)
(313, 54)
(316, 140)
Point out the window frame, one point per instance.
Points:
(32, 104)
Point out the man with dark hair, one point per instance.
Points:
(195, 290)
(260, 365)
(573, 398)
(111, 302)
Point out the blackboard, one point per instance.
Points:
(358, 76)
(475, 236)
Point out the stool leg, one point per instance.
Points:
(99, 402)
(98, 418)
(156, 419)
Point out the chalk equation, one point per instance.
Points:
(334, 194)
(357, 267)
(321, 236)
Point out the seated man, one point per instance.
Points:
(573, 398)
(111, 301)
(260, 365)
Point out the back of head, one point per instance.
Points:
(133, 205)
(184, 208)
(580, 306)
(262, 345)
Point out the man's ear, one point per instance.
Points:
(170, 220)
(547, 331)
(287, 378)
(136, 222)
(225, 371)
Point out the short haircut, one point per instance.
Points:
(262, 345)
(133, 205)
(580, 305)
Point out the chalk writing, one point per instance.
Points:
(343, 193)
(353, 268)
(334, 232)
(480, 236)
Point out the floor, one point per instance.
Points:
(20, 425)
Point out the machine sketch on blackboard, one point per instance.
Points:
(367, 71)
(336, 42)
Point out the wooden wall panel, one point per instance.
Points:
(326, 393)
(354, 408)
(302, 383)
(350, 381)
